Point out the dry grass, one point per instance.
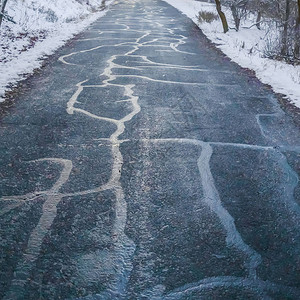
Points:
(207, 17)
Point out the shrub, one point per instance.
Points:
(207, 16)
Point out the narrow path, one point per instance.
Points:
(142, 164)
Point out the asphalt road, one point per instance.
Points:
(141, 163)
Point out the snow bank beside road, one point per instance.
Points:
(42, 27)
(246, 47)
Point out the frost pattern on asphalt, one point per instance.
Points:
(51, 198)
(124, 246)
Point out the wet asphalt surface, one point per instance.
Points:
(140, 163)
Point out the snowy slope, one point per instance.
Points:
(246, 47)
(42, 27)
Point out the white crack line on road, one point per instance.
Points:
(233, 238)
(203, 164)
(278, 116)
(270, 115)
(114, 183)
(34, 195)
(256, 285)
(146, 60)
(172, 67)
(212, 199)
(173, 46)
(176, 82)
(73, 99)
(62, 58)
(292, 181)
(125, 247)
(49, 210)
(103, 39)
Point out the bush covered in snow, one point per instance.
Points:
(35, 19)
(41, 27)
(42, 14)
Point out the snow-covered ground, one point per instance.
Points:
(42, 26)
(246, 47)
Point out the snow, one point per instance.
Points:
(42, 27)
(246, 47)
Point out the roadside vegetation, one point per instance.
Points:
(279, 18)
(32, 29)
(259, 35)
(26, 22)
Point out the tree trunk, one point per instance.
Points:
(284, 48)
(2, 10)
(222, 16)
(236, 17)
(103, 5)
(258, 19)
(297, 34)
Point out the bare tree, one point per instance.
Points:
(282, 16)
(297, 33)
(238, 9)
(222, 15)
(256, 7)
(284, 47)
